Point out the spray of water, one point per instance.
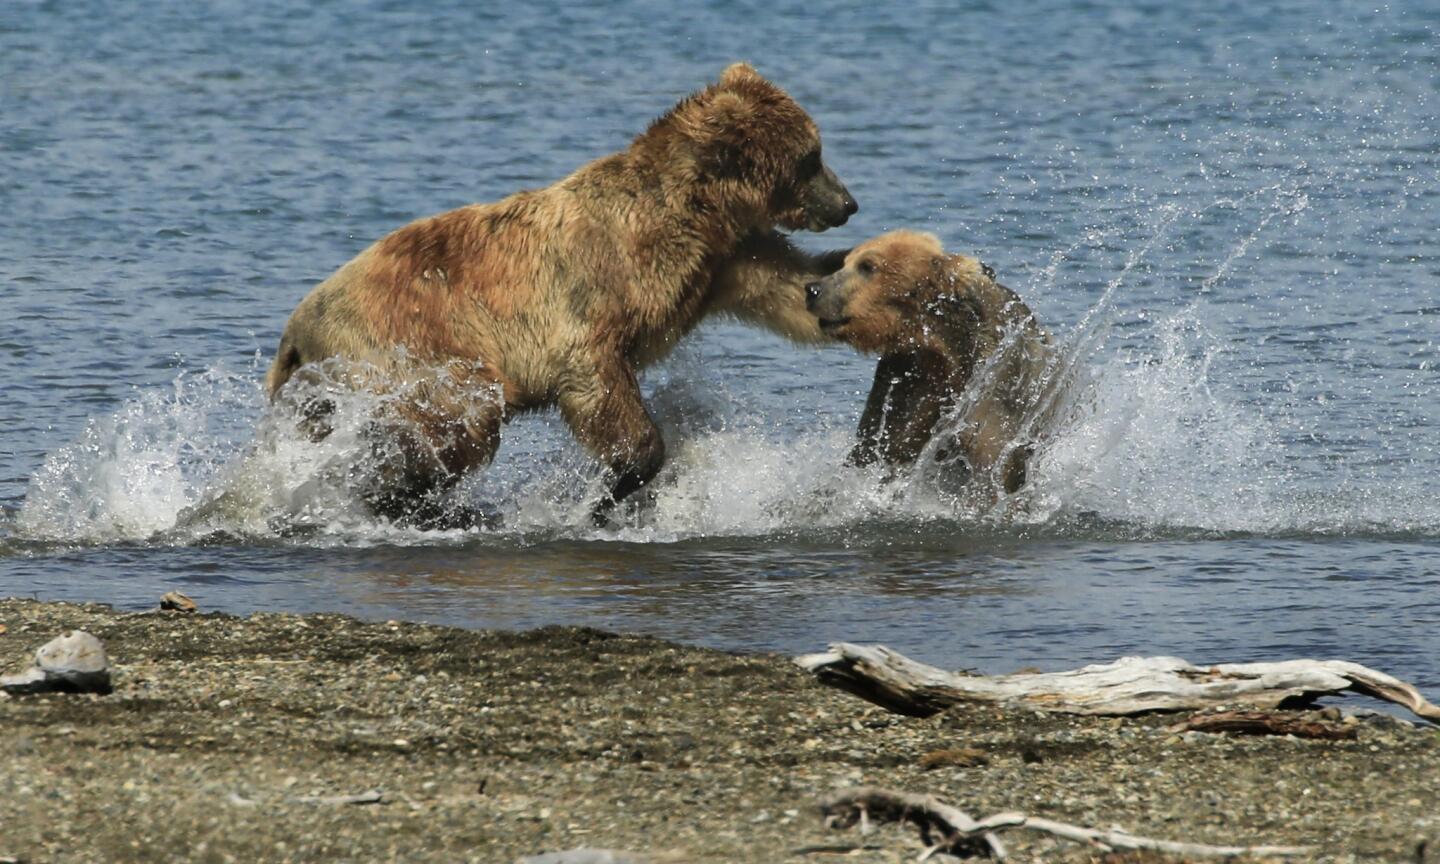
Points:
(130, 474)
(1143, 437)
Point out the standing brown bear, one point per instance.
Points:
(937, 321)
(557, 296)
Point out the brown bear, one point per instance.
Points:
(557, 296)
(939, 322)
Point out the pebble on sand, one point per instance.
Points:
(174, 601)
(73, 663)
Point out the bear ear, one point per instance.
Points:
(722, 149)
(929, 242)
(725, 111)
(942, 282)
(737, 73)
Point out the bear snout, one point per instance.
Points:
(848, 207)
(825, 299)
(826, 201)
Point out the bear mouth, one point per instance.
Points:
(834, 323)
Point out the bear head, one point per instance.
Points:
(752, 152)
(900, 292)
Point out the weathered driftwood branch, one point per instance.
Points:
(373, 796)
(1130, 685)
(1264, 723)
(959, 834)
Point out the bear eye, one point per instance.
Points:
(809, 165)
(865, 267)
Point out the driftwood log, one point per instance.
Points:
(1130, 685)
(948, 829)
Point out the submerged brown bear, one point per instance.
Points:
(940, 323)
(557, 296)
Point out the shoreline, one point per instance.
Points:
(255, 738)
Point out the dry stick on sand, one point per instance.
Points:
(1264, 723)
(962, 835)
(1130, 685)
(374, 796)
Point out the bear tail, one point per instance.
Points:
(287, 360)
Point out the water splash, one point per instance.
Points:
(1150, 442)
(130, 474)
(1142, 437)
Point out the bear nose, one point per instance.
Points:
(812, 294)
(851, 205)
(987, 270)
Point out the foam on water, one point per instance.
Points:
(1151, 443)
(130, 473)
(1147, 442)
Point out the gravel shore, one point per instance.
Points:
(244, 739)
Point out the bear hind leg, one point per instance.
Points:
(424, 445)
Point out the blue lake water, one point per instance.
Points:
(1229, 214)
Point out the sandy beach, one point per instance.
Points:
(324, 738)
